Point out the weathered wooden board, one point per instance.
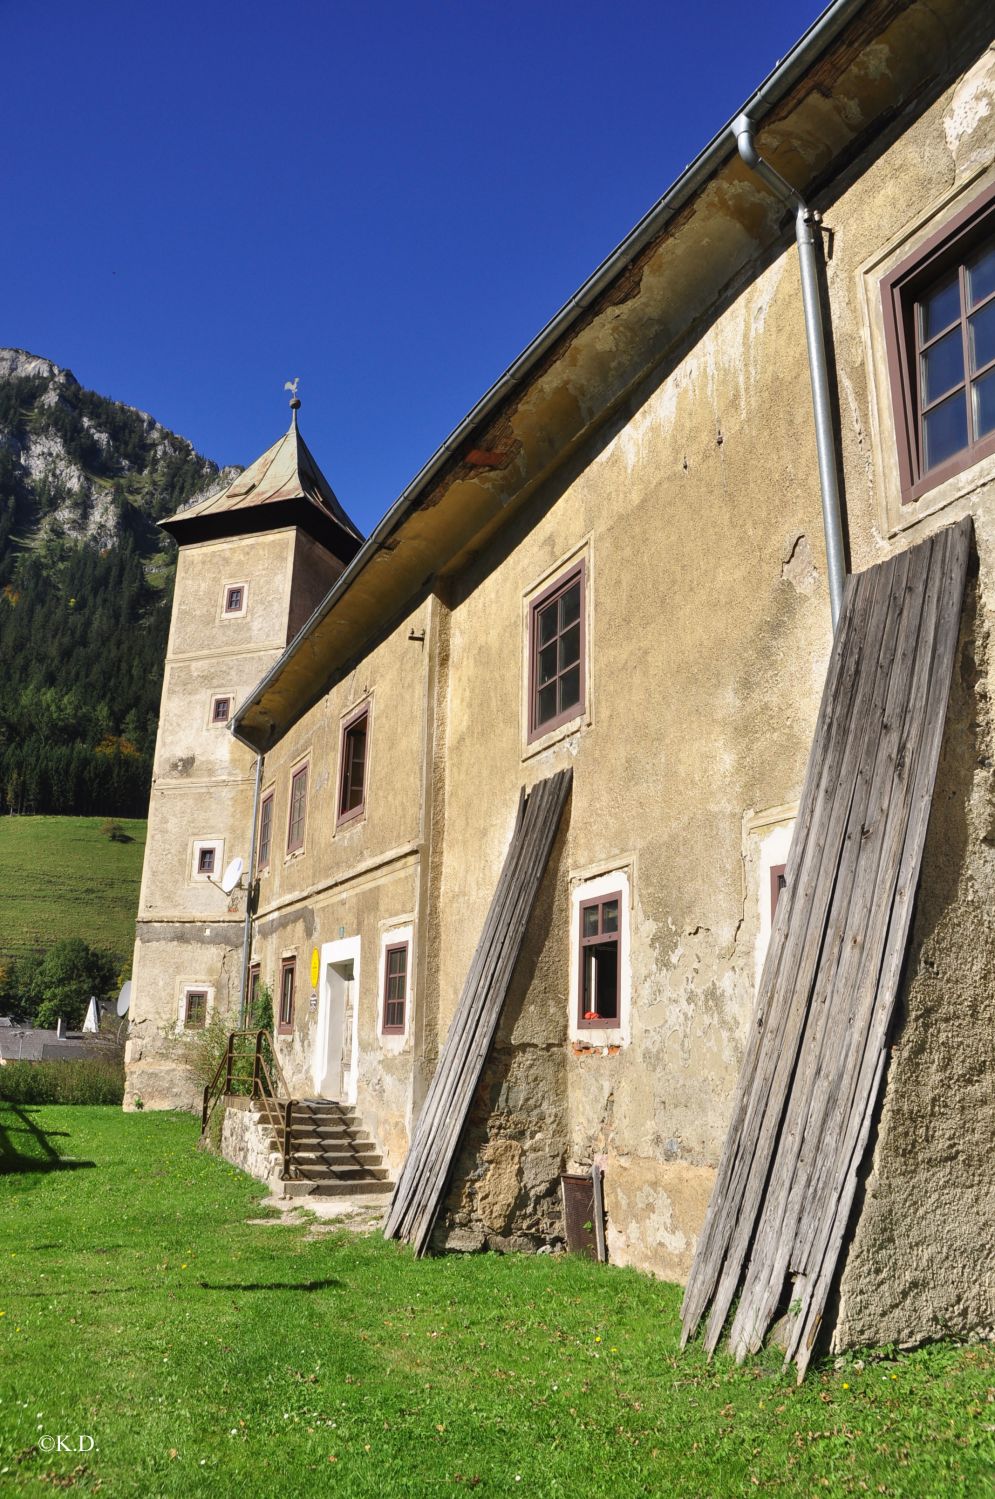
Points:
(816, 1050)
(425, 1173)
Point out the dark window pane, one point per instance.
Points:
(609, 916)
(570, 605)
(547, 703)
(982, 336)
(942, 366)
(569, 689)
(547, 663)
(946, 430)
(981, 275)
(590, 921)
(984, 404)
(570, 646)
(599, 997)
(205, 861)
(547, 623)
(939, 309)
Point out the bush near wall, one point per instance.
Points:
(89, 1080)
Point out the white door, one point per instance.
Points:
(335, 1036)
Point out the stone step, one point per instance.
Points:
(338, 1161)
(370, 1189)
(313, 1167)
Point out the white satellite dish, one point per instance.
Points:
(124, 998)
(231, 876)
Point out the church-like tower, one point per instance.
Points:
(253, 562)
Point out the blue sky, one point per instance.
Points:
(387, 199)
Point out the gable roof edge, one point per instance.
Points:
(823, 31)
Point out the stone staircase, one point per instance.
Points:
(330, 1155)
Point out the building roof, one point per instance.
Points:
(817, 109)
(28, 1043)
(284, 486)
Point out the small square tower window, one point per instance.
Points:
(235, 599)
(220, 710)
(194, 1009)
(207, 857)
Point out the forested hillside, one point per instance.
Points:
(85, 589)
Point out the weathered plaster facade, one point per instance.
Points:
(667, 442)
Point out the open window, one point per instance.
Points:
(600, 961)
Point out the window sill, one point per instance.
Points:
(599, 1048)
(579, 725)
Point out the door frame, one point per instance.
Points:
(345, 950)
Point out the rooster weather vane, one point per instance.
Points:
(292, 385)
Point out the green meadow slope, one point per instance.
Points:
(63, 877)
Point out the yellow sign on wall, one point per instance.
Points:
(314, 968)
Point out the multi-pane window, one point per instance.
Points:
(235, 598)
(395, 983)
(556, 655)
(195, 1009)
(220, 709)
(288, 971)
(298, 810)
(600, 965)
(352, 765)
(940, 331)
(265, 830)
(955, 348)
(205, 860)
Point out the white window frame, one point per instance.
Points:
(615, 882)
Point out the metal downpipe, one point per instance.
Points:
(809, 247)
(243, 1003)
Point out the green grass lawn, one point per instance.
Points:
(61, 877)
(205, 1354)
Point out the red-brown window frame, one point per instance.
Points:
(396, 1029)
(255, 981)
(576, 572)
(777, 884)
(215, 704)
(360, 715)
(285, 1022)
(265, 828)
(194, 1025)
(900, 290)
(601, 1023)
(207, 849)
(299, 775)
(227, 611)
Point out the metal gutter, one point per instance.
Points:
(809, 239)
(823, 31)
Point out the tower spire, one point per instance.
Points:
(295, 404)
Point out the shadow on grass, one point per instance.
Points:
(269, 1285)
(26, 1149)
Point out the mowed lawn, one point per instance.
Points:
(207, 1354)
(62, 877)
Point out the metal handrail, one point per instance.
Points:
(262, 1085)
